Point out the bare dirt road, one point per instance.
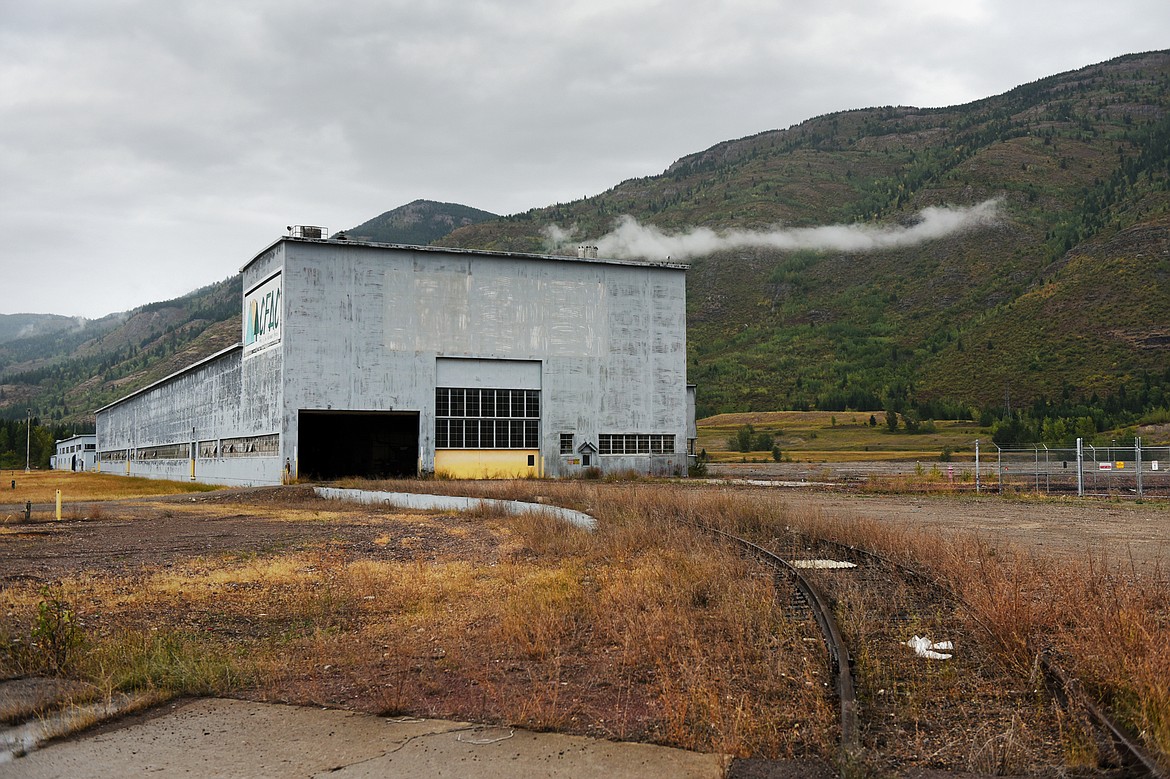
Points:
(112, 535)
(1113, 529)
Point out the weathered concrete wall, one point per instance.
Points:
(202, 405)
(205, 399)
(364, 326)
(329, 325)
(78, 453)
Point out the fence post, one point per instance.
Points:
(1047, 471)
(1137, 456)
(999, 466)
(1036, 467)
(1080, 467)
(976, 466)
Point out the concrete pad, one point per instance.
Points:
(501, 752)
(412, 500)
(228, 738)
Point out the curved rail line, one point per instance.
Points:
(834, 639)
(1131, 757)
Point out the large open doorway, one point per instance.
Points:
(373, 444)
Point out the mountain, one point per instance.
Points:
(1061, 298)
(64, 369)
(13, 326)
(66, 375)
(419, 223)
(1064, 298)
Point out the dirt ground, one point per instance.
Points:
(143, 533)
(112, 536)
(1113, 528)
(125, 538)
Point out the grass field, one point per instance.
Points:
(647, 629)
(42, 486)
(836, 436)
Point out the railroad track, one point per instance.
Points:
(886, 600)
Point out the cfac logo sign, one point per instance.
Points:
(262, 314)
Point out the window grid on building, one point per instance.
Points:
(566, 443)
(470, 418)
(635, 443)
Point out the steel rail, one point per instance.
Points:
(1133, 759)
(833, 637)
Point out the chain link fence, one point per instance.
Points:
(1119, 469)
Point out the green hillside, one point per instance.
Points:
(1065, 297)
(14, 326)
(1057, 306)
(63, 370)
(65, 376)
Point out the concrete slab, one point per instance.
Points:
(229, 738)
(412, 500)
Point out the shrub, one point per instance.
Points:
(56, 632)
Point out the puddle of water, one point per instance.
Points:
(22, 739)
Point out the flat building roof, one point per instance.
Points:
(346, 241)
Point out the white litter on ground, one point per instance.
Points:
(822, 564)
(924, 647)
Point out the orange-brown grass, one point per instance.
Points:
(646, 629)
(42, 486)
(1104, 621)
(643, 630)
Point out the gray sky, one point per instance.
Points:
(148, 148)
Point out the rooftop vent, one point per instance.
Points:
(307, 231)
(587, 252)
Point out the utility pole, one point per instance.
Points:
(28, 441)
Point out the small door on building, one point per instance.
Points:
(372, 444)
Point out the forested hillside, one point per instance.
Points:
(63, 369)
(14, 326)
(1055, 306)
(1062, 301)
(65, 376)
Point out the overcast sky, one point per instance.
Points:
(148, 148)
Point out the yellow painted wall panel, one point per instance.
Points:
(487, 463)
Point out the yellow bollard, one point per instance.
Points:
(58, 505)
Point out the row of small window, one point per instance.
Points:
(634, 443)
(487, 434)
(77, 448)
(509, 403)
(250, 446)
(167, 452)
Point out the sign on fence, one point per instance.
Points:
(1119, 469)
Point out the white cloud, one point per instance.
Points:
(149, 148)
(632, 240)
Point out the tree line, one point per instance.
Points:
(20, 440)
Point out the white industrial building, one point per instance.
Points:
(77, 453)
(370, 359)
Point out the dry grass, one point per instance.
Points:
(42, 486)
(1105, 621)
(644, 630)
(647, 629)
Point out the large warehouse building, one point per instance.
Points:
(369, 359)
